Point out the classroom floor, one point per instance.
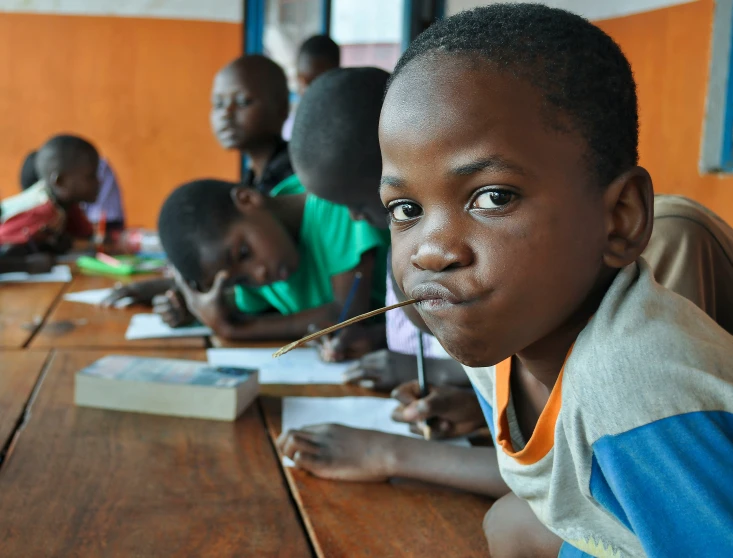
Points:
(86, 482)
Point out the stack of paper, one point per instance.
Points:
(152, 326)
(59, 274)
(301, 366)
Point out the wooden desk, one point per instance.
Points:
(84, 482)
(19, 372)
(76, 325)
(23, 307)
(381, 519)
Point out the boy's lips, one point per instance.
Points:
(434, 295)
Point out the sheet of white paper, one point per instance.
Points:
(152, 326)
(370, 413)
(59, 274)
(301, 366)
(96, 296)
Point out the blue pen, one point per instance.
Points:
(350, 297)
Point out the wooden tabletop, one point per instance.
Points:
(77, 325)
(23, 307)
(85, 482)
(397, 519)
(19, 374)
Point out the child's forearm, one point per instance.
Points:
(473, 469)
(276, 326)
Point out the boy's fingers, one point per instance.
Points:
(219, 281)
(406, 393)
(307, 461)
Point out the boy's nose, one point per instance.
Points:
(260, 274)
(441, 249)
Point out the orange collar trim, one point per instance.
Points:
(543, 437)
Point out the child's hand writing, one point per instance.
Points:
(382, 370)
(454, 411)
(347, 344)
(172, 309)
(208, 307)
(337, 452)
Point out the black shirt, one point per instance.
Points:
(278, 168)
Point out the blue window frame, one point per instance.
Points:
(717, 144)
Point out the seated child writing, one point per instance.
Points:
(249, 103)
(286, 261)
(519, 217)
(46, 216)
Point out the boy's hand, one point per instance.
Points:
(207, 307)
(337, 452)
(347, 344)
(38, 263)
(454, 411)
(141, 292)
(382, 370)
(172, 309)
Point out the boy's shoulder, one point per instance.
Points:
(646, 355)
(27, 200)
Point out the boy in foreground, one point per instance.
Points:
(519, 216)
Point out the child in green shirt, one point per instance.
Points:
(290, 259)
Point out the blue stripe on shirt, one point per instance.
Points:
(669, 481)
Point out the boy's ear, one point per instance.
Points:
(629, 202)
(56, 179)
(247, 198)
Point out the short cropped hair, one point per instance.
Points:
(336, 126)
(197, 213)
(580, 71)
(322, 47)
(63, 152)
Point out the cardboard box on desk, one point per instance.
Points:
(166, 387)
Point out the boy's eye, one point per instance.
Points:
(242, 101)
(492, 199)
(217, 103)
(404, 211)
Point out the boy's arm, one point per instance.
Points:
(337, 452)
(669, 483)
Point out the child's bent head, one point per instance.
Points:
(335, 145)
(316, 56)
(69, 164)
(208, 226)
(509, 146)
(249, 103)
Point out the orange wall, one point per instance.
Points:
(669, 50)
(138, 88)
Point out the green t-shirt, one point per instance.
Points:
(288, 187)
(330, 243)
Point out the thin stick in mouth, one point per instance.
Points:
(317, 334)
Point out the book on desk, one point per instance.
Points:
(166, 387)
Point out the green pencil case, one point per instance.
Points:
(128, 265)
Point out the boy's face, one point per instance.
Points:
(256, 251)
(78, 183)
(241, 115)
(495, 216)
